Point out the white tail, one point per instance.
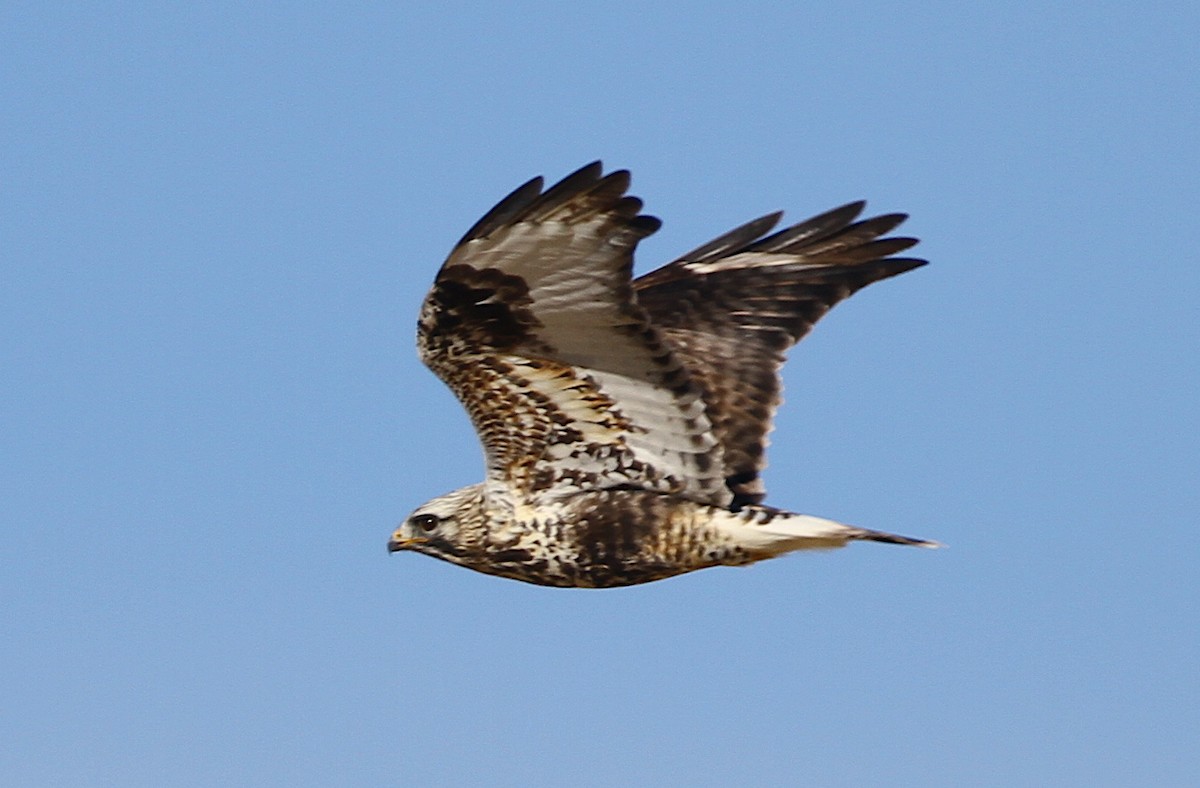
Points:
(769, 532)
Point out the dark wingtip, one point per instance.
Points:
(645, 224)
(900, 265)
(525, 196)
(731, 242)
(512, 204)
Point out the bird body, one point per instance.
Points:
(618, 537)
(624, 421)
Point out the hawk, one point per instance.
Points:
(624, 421)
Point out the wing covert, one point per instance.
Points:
(533, 324)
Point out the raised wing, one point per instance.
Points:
(733, 307)
(532, 323)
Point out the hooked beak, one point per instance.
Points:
(396, 544)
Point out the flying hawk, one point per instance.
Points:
(624, 421)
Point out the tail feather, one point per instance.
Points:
(882, 536)
(770, 532)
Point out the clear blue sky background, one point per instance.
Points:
(217, 223)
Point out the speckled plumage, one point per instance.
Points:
(624, 421)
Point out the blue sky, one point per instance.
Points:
(217, 223)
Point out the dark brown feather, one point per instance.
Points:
(731, 321)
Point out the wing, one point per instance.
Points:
(532, 323)
(733, 307)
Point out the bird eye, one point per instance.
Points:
(426, 522)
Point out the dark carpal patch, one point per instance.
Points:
(486, 307)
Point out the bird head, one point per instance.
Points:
(449, 527)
